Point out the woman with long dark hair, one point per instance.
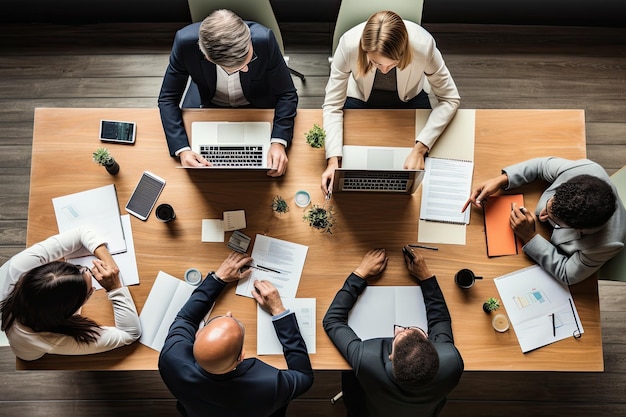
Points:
(42, 296)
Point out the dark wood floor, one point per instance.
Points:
(121, 65)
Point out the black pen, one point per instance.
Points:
(424, 247)
(264, 268)
(408, 253)
(553, 326)
(260, 268)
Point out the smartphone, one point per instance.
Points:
(117, 131)
(145, 195)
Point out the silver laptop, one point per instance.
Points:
(232, 145)
(376, 169)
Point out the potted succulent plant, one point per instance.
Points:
(320, 218)
(103, 157)
(491, 304)
(315, 136)
(279, 205)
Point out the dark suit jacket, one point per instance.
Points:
(379, 394)
(266, 84)
(252, 389)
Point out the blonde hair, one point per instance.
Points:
(224, 38)
(386, 34)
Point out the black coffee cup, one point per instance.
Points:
(465, 278)
(165, 213)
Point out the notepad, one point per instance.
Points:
(267, 341)
(446, 187)
(167, 296)
(500, 238)
(379, 308)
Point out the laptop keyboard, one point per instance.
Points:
(244, 155)
(376, 181)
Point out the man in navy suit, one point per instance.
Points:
(205, 368)
(407, 375)
(231, 63)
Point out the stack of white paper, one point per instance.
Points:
(267, 341)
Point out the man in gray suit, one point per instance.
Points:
(581, 206)
(407, 375)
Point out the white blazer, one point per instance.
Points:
(427, 71)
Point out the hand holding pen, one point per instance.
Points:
(415, 263)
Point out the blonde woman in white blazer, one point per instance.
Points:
(369, 57)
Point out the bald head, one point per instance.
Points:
(218, 348)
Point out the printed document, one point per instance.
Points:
(540, 308)
(379, 308)
(98, 208)
(277, 261)
(267, 341)
(447, 186)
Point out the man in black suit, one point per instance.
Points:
(205, 369)
(409, 374)
(231, 63)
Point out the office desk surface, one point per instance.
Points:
(61, 164)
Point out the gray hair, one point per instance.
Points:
(224, 38)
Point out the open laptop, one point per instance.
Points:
(232, 145)
(376, 169)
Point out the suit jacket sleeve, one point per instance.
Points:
(336, 320)
(299, 376)
(439, 320)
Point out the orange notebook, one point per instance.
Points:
(498, 233)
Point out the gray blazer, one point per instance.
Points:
(570, 255)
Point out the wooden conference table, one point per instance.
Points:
(64, 140)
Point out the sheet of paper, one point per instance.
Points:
(212, 230)
(267, 341)
(456, 142)
(531, 296)
(127, 261)
(167, 296)
(499, 236)
(447, 186)
(277, 261)
(379, 308)
(97, 208)
(234, 220)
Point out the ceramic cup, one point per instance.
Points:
(302, 198)
(465, 278)
(193, 276)
(165, 213)
(500, 323)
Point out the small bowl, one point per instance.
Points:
(302, 198)
(193, 276)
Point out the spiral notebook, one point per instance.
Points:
(447, 186)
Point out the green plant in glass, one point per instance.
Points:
(279, 205)
(491, 304)
(316, 136)
(320, 218)
(103, 157)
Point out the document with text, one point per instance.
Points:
(541, 309)
(447, 186)
(277, 261)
